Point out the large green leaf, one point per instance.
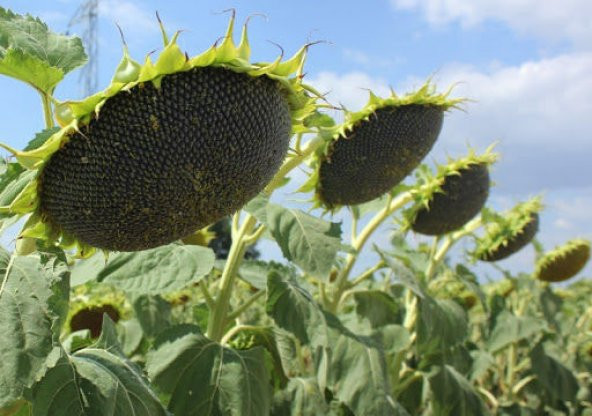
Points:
(257, 207)
(158, 270)
(402, 274)
(352, 367)
(377, 307)
(441, 324)
(309, 242)
(30, 52)
(153, 313)
(453, 395)
(204, 378)
(510, 328)
(86, 270)
(94, 382)
(255, 272)
(34, 294)
(262, 336)
(303, 397)
(559, 381)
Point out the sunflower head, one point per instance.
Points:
(167, 148)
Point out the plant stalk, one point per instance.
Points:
(358, 244)
(47, 110)
(293, 162)
(449, 241)
(219, 315)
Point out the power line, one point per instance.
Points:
(87, 15)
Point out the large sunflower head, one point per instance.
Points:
(167, 148)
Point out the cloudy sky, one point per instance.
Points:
(526, 65)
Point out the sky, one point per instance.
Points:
(525, 65)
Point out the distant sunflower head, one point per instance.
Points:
(508, 233)
(377, 147)
(563, 262)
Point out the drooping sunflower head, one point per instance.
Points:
(375, 148)
(508, 233)
(168, 148)
(563, 262)
(462, 188)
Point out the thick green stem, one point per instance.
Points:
(511, 364)
(219, 315)
(239, 310)
(293, 162)
(47, 111)
(242, 238)
(341, 283)
(449, 241)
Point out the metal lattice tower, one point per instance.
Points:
(87, 16)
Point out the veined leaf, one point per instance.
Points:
(556, 379)
(34, 293)
(30, 52)
(153, 313)
(453, 395)
(510, 328)
(352, 367)
(257, 207)
(302, 396)
(311, 243)
(158, 270)
(204, 378)
(95, 381)
(377, 307)
(441, 324)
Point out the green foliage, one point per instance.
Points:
(413, 334)
(308, 241)
(205, 378)
(159, 270)
(30, 52)
(33, 305)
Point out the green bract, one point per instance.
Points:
(508, 233)
(168, 148)
(563, 262)
(376, 147)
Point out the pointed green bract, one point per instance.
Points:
(73, 115)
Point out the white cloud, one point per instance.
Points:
(129, 15)
(351, 89)
(541, 113)
(538, 111)
(553, 20)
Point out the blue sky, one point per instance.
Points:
(526, 64)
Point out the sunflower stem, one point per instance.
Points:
(219, 315)
(449, 241)
(238, 311)
(341, 283)
(293, 162)
(47, 111)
